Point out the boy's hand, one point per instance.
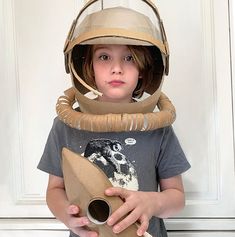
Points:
(78, 225)
(137, 207)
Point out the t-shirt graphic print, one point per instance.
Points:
(108, 155)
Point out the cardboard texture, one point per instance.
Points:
(85, 184)
(115, 122)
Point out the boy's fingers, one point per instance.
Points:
(86, 233)
(79, 222)
(115, 191)
(72, 210)
(142, 228)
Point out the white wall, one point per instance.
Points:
(32, 76)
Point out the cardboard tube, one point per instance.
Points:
(98, 211)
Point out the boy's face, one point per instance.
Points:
(116, 74)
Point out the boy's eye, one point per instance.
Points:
(129, 58)
(104, 57)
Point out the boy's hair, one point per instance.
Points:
(143, 58)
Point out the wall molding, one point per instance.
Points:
(232, 48)
(224, 224)
(201, 224)
(12, 74)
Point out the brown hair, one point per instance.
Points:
(143, 59)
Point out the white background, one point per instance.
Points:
(200, 84)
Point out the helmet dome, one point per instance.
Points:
(122, 26)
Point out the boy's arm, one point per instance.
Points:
(56, 198)
(171, 199)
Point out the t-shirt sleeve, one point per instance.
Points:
(172, 160)
(50, 161)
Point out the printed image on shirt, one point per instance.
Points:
(108, 156)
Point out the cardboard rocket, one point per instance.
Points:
(85, 184)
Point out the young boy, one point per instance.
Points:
(149, 177)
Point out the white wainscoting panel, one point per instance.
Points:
(202, 234)
(33, 37)
(199, 84)
(54, 233)
(32, 76)
(35, 233)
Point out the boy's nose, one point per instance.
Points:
(117, 67)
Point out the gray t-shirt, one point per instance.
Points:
(132, 160)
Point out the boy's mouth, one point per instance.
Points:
(116, 83)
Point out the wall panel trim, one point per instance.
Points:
(171, 224)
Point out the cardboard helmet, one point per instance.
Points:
(116, 25)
